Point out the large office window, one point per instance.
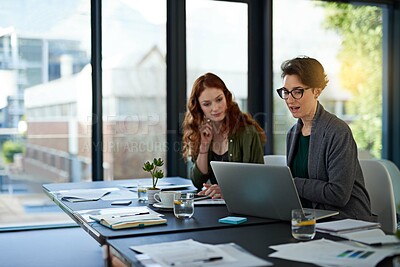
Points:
(45, 95)
(217, 42)
(347, 40)
(134, 86)
(45, 101)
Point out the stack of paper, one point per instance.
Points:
(329, 253)
(192, 253)
(356, 230)
(345, 226)
(210, 201)
(207, 200)
(161, 184)
(82, 195)
(371, 237)
(94, 194)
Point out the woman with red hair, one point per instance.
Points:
(214, 129)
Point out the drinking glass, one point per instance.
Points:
(303, 224)
(142, 193)
(183, 205)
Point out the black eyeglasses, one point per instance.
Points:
(296, 93)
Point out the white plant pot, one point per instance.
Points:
(150, 195)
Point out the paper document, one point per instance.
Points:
(81, 195)
(161, 184)
(200, 197)
(345, 226)
(330, 253)
(371, 237)
(192, 253)
(120, 195)
(210, 201)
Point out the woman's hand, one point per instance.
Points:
(206, 134)
(214, 191)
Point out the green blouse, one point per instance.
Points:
(300, 162)
(243, 146)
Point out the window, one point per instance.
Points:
(134, 86)
(45, 74)
(217, 42)
(347, 40)
(45, 96)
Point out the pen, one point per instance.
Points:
(128, 215)
(211, 259)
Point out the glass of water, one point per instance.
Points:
(183, 205)
(142, 193)
(303, 224)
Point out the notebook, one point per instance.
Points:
(134, 218)
(260, 190)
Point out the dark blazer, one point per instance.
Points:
(335, 181)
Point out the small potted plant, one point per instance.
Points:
(152, 168)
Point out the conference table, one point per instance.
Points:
(255, 235)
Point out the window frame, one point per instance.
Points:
(259, 78)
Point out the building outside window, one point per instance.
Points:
(134, 86)
(46, 67)
(45, 101)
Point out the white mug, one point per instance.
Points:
(165, 198)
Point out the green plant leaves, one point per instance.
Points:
(159, 174)
(152, 169)
(148, 166)
(158, 162)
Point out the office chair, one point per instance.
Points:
(395, 177)
(275, 160)
(379, 186)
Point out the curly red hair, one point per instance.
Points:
(235, 120)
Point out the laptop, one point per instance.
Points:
(260, 190)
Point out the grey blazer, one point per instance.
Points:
(335, 181)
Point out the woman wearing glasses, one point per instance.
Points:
(214, 128)
(321, 151)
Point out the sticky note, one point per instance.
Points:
(233, 220)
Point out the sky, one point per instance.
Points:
(154, 15)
